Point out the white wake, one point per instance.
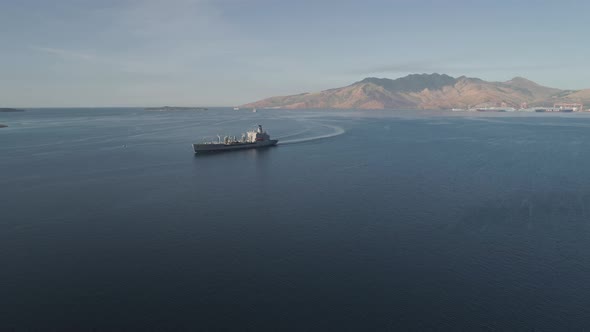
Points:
(335, 132)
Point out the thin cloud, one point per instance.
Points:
(404, 67)
(458, 67)
(109, 62)
(154, 37)
(65, 54)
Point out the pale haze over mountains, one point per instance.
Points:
(428, 91)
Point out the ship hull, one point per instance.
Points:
(204, 148)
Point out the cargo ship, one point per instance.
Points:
(562, 108)
(250, 140)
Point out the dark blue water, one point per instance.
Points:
(364, 221)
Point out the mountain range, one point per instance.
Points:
(429, 91)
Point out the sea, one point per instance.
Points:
(356, 221)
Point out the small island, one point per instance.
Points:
(175, 108)
(5, 109)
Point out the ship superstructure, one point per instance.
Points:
(257, 138)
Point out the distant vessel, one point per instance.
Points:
(559, 109)
(254, 110)
(251, 140)
(562, 107)
(568, 107)
(236, 108)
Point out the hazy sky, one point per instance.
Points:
(228, 52)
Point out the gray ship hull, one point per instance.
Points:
(201, 148)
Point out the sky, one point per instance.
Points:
(69, 53)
